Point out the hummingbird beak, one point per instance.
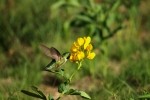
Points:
(68, 56)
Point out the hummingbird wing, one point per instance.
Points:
(51, 52)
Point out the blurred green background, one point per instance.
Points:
(121, 68)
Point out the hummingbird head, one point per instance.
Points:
(66, 55)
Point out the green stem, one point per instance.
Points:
(72, 75)
(79, 66)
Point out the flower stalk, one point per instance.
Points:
(78, 68)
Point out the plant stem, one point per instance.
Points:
(79, 66)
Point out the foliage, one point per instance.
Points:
(94, 18)
(120, 34)
(64, 88)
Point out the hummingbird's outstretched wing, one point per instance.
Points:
(51, 52)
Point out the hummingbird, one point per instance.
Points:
(57, 59)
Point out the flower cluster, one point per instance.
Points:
(82, 48)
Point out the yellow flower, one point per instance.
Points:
(74, 49)
(87, 41)
(89, 47)
(72, 58)
(91, 55)
(76, 44)
(80, 55)
(80, 41)
(82, 48)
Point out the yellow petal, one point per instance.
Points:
(73, 57)
(80, 41)
(91, 55)
(80, 55)
(74, 49)
(89, 47)
(76, 44)
(87, 41)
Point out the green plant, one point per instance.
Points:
(80, 50)
(95, 19)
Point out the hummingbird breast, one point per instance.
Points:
(60, 62)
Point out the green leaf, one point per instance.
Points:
(72, 92)
(34, 88)
(91, 3)
(74, 3)
(84, 18)
(115, 6)
(61, 72)
(77, 92)
(57, 5)
(31, 94)
(144, 96)
(39, 92)
(84, 95)
(62, 88)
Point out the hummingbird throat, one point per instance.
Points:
(60, 62)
